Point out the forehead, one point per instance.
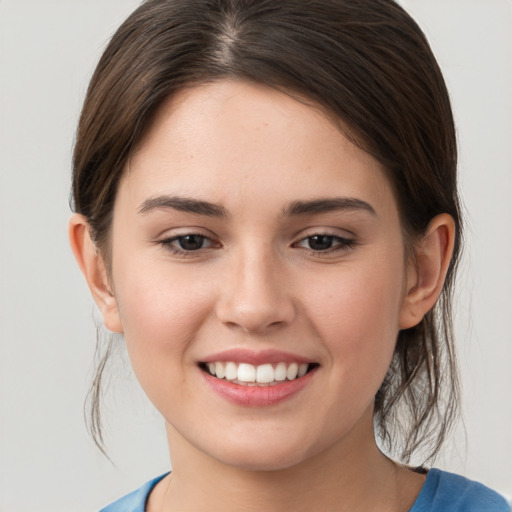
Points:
(231, 139)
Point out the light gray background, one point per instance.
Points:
(47, 53)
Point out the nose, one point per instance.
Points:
(255, 297)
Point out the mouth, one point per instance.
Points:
(262, 375)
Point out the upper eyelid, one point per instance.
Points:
(335, 232)
(173, 233)
(338, 233)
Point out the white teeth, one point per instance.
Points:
(280, 372)
(291, 372)
(253, 375)
(231, 371)
(264, 373)
(246, 373)
(220, 370)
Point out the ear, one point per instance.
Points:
(93, 268)
(427, 270)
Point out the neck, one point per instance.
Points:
(353, 475)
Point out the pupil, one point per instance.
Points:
(320, 242)
(191, 242)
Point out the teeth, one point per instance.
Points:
(262, 374)
(246, 373)
(291, 372)
(280, 372)
(220, 370)
(303, 368)
(231, 371)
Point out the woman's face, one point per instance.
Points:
(248, 230)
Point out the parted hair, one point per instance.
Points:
(365, 63)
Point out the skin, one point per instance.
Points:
(257, 282)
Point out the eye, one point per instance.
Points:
(323, 242)
(187, 243)
(191, 242)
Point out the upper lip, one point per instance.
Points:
(255, 357)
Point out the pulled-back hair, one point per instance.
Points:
(370, 67)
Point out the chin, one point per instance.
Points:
(262, 455)
(261, 462)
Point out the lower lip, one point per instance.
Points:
(257, 396)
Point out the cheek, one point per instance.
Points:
(161, 313)
(357, 317)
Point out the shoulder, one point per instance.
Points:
(136, 500)
(444, 491)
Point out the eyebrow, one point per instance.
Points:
(327, 205)
(297, 208)
(183, 204)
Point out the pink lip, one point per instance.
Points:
(238, 355)
(257, 396)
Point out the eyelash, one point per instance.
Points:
(338, 244)
(179, 251)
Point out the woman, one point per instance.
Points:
(266, 209)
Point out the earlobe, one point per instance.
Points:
(427, 271)
(93, 268)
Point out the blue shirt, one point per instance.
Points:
(441, 492)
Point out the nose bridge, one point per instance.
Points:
(255, 297)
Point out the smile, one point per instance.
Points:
(267, 374)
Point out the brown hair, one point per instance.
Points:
(368, 64)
